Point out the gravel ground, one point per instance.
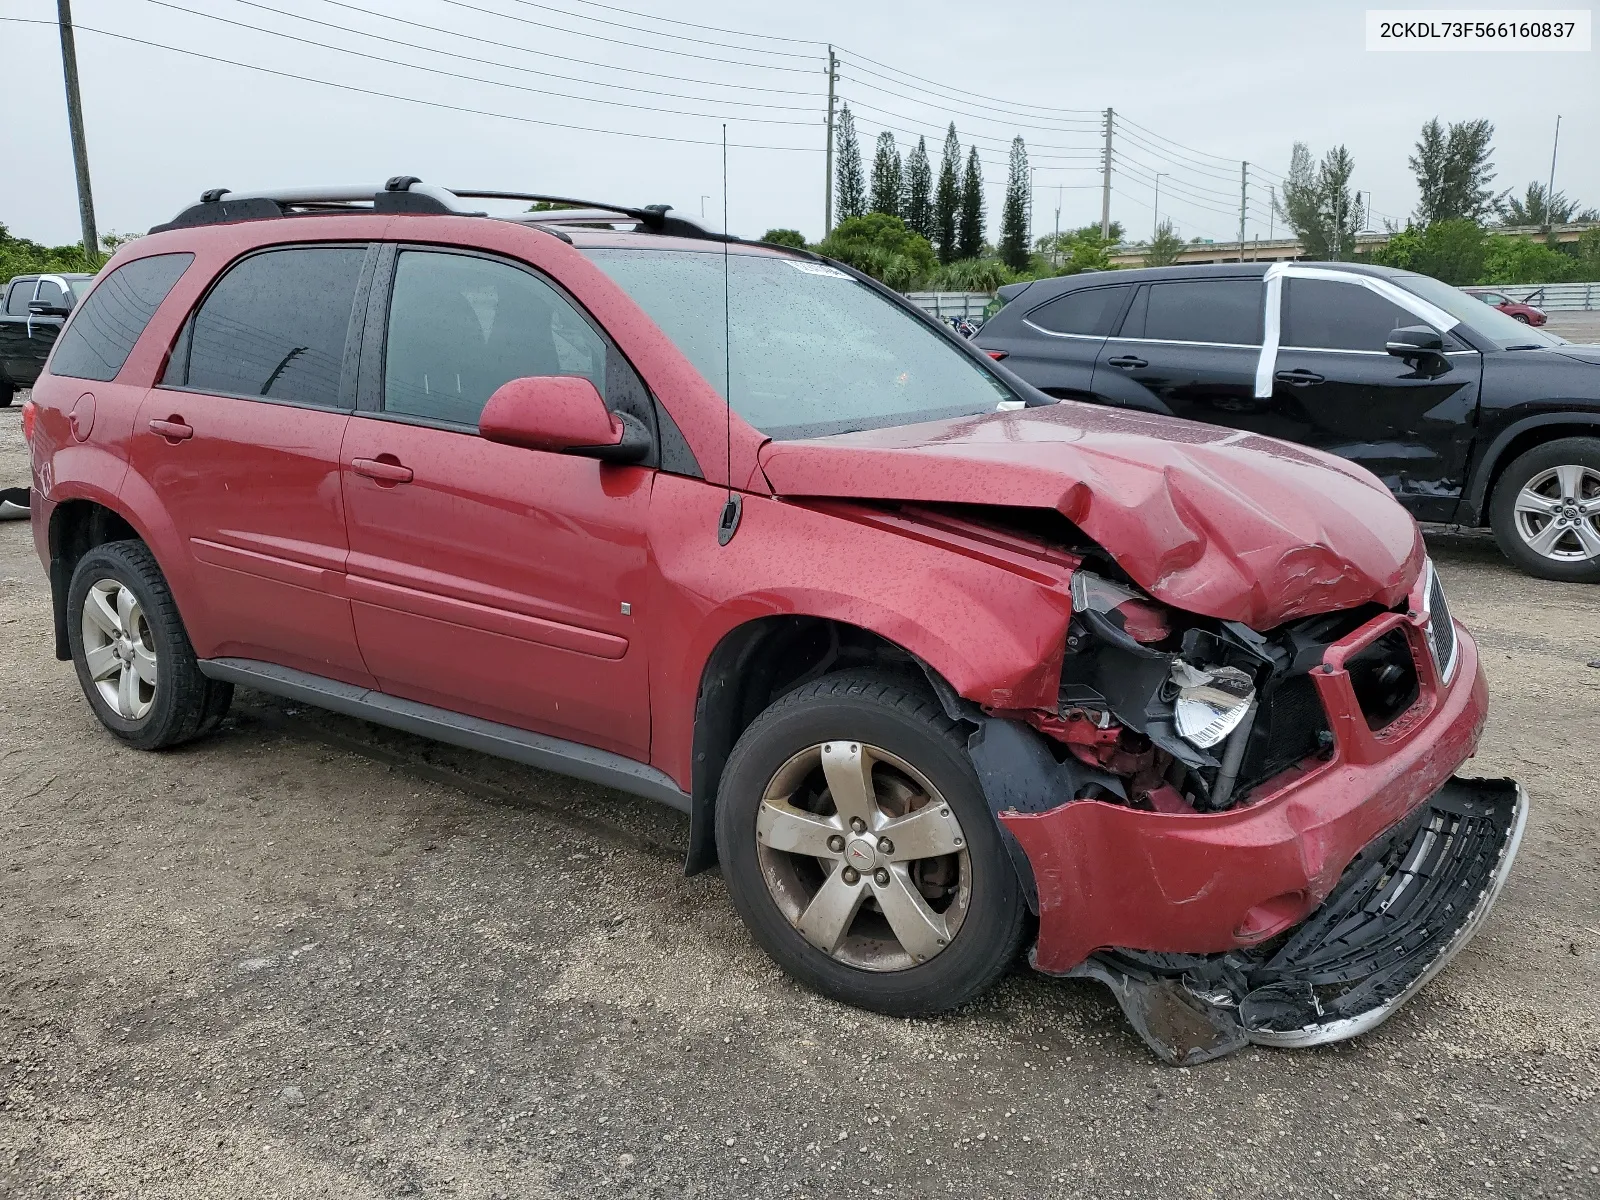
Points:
(309, 957)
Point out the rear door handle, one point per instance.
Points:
(174, 429)
(384, 470)
(1127, 361)
(1299, 377)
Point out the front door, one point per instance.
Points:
(1186, 348)
(1336, 388)
(240, 442)
(489, 579)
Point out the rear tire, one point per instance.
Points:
(8, 391)
(929, 925)
(1545, 511)
(134, 660)
(1523, 317)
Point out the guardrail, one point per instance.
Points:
(1557, 297)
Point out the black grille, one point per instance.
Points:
(1290, 727)
(1441, 629)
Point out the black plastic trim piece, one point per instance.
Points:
(473, 733)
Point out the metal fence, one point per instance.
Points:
(951, 304)
(1555, 297)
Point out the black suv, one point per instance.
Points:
(1469, 416)
(32, 310)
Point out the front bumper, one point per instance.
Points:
(1402, 910)
(1205, 883)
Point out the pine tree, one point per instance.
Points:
(919, 191)
(947, 199)
(1014, 216)
(969, 232)
(1454, 172)
(888, 182)
(850, 191)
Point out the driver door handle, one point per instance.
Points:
(1299, 377)
(1127, 362)
(384, 470)
(174, 429)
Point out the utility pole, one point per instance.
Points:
(1272, 210)
(1155, 223)
(827, 206)
(1550, 188)
(1244, 183)
(1105, 187)
(80, 152)
(1055, 243)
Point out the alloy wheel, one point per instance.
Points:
(119, 649)
(863, 856)
(1558, 513)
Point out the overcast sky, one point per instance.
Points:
(1208, 84)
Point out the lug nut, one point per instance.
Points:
(836, 844)
(850, 875)
(882, 877)
(885, 846)
(857, 824)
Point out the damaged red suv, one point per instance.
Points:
(923, 653)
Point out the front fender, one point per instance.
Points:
(993, 627)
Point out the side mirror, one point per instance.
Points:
(1412, 340)
(43, 308)
(564, 414)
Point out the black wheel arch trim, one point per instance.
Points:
(1475, 502)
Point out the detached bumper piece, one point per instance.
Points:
(1402, 909)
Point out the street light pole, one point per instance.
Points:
(1155, 225)
(1550, 188)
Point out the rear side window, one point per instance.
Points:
(1087, 311)
(104, 328)
(274, 327)
(1201, 310)
(460, 326)
(1327, 315)
(17, 299)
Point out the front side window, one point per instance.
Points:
(813, 351)
(275, 327)
(104, 328)
(17, 299)
(1201, 310)
(50, 293)
(1324, 314)
(1490, 327)
(1086, 311)
(460, 326)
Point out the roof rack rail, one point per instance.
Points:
(408, 194)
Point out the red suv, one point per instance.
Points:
(936, 665)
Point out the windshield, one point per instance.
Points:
(814, 351)
(1488, 323)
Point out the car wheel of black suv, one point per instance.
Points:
(860, 852)
(133, 657)
(1546, 510)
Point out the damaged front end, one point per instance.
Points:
(1248, 836)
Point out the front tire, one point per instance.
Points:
(860, 852)
(1523, 317)
(134, 660)
(1545, 512)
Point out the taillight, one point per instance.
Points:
(997, 355)
(30, 413)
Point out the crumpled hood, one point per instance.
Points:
(1212, 521)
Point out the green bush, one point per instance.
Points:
(971, 275)
(1523, 260)
(785, 237)
(881, 246)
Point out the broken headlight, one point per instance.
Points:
(1211, 701)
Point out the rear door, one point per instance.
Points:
(1054, 345)
(488, 579)
(240, 442)
(1335, 387)
(1186, 348)
(16, 360)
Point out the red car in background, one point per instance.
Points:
(937, 666)
(1516, 309)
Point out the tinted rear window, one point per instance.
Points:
(17, 298)
(1325, 314)
(1087, 311)
(104, 328)
(1202, 310)
(275, 326)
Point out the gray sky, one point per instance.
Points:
(1237, 80)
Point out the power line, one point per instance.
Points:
(728, 62)
(348, 87)
(1089, 112)
(1140, 169)
(1192, 150)
(529, 70)
(971, 137)
(770, 37)
(1084, 124)
(459, 75)
(699, 41)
